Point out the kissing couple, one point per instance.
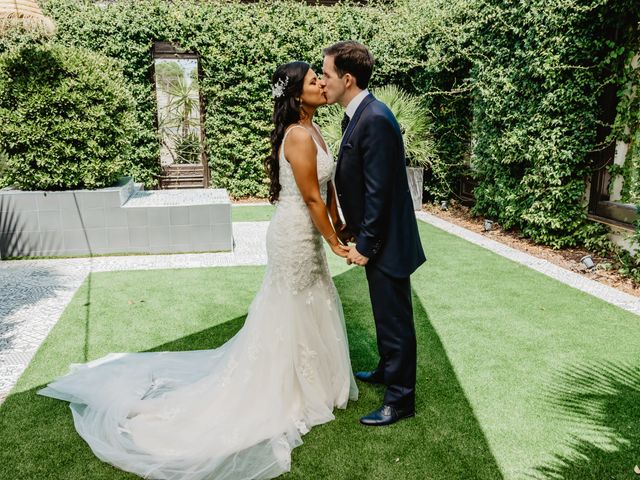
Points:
(237, 411)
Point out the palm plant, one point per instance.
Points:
(329, 119)
(187, 148)
(412, 116)
(179, 120)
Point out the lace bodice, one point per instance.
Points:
(294, 246)
(325, 166)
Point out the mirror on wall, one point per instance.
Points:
(179, 119)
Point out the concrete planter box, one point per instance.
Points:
(415, 175)
(118, 219)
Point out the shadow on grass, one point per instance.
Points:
(38, 439)
(206, 339)
(443, 442)
(601, 401)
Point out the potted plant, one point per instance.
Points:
(415, 124)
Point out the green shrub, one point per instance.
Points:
(513, 87)
(66, 118)
(413, 117)
(3, 162)
(15, 37)
(240, 46)
(539, 70)
(627, 126)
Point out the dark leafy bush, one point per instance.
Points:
(66, 118)
(627, 124)
(240, 45)
(539, 70)
(513, 87)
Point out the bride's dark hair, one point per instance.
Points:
(287, 84)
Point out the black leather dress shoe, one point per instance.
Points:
(370, 377)
(386, 415)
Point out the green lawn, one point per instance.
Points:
(252, 213)
(519, 376)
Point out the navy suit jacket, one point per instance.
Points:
(373, 191)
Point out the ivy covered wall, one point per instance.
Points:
(513, 88)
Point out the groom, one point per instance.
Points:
(373, 192)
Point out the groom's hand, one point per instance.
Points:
(354, 256)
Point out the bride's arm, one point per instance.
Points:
(332, 198)
(300, 151)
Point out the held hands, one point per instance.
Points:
(354, 256)
(336, 246)
(343, 249)
(340, 250)
(350, 254)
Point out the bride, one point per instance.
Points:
(237, 411)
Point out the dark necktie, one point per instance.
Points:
(345, 122)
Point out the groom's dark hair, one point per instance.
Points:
(354, 58)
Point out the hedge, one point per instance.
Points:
(66, 118)
(539, 70)
(513, 87)
(239, 46)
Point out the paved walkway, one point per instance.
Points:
(34, 293)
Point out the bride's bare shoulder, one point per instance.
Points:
(297, 136)
(297, 133)
(298, 139)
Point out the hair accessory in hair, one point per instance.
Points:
(277, 90)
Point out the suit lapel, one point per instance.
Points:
(353, 122)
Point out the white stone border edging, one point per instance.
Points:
(592, 287)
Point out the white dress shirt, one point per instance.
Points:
(355, 103)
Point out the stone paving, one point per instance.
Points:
(34, 293)
(166, 198)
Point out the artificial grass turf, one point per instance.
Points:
(518, 374)
(252, 213)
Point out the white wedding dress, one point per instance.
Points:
(237, 411)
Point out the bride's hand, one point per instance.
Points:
(340, 250)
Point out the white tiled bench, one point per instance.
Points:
(120, 219)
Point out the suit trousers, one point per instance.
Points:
(396, 336)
